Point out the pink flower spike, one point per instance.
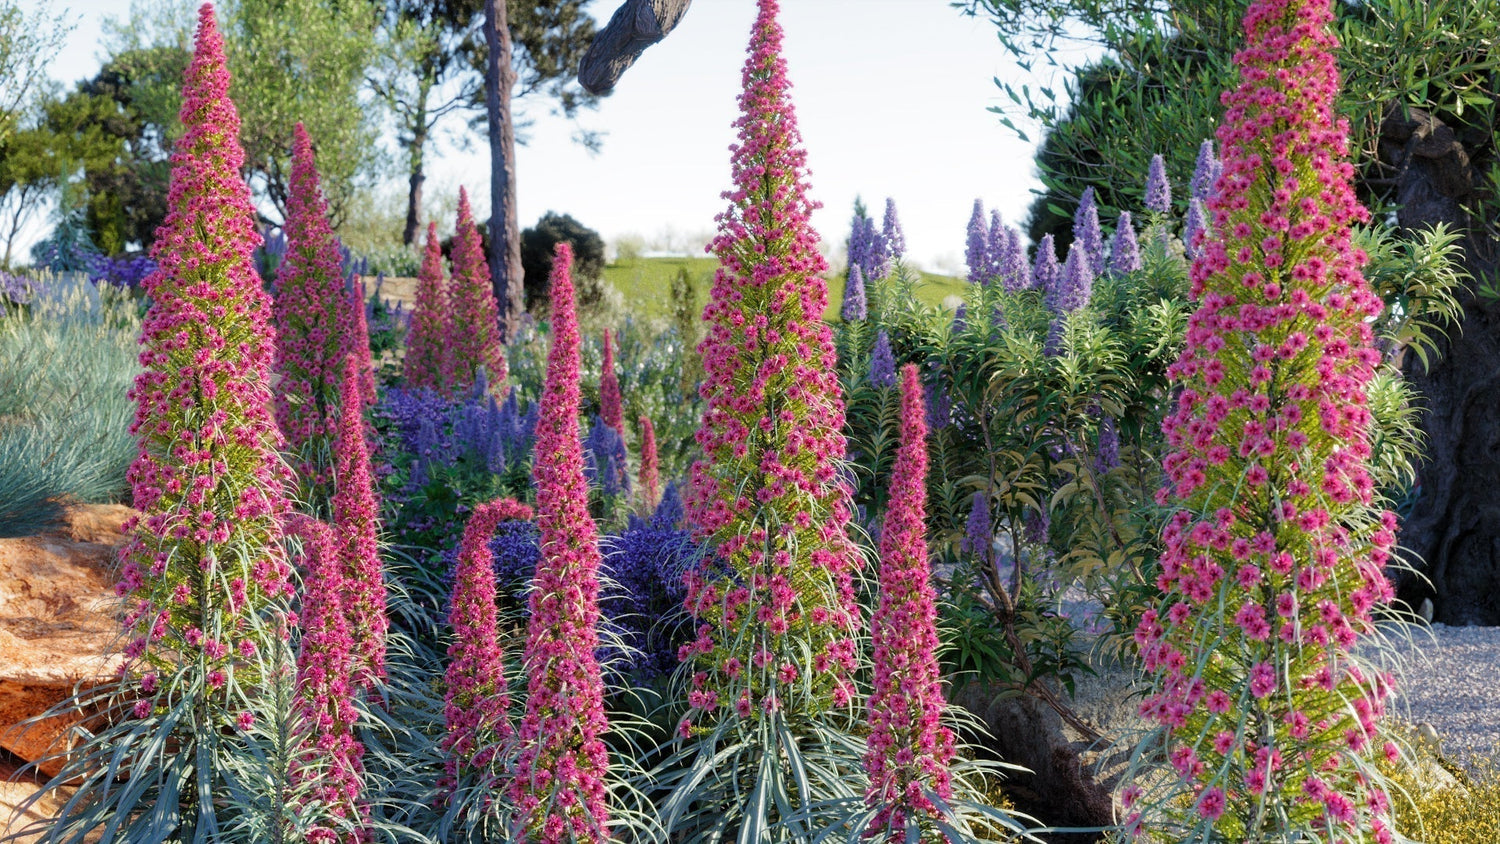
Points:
(650, 475)
(477, 704)
(356, 517)
(559, 783)
(473, 338)
(611, 406)
(427, 356)
(908, 745)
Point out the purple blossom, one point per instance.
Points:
(976, 253)
(1195, 229)
(995, 246)
(671, 511)
(960, 320)
(1205, 172)
(997, 318)
(1087, 234)
(1046, 271)
(1037, 526)
(1158, 189)
(890, 229)
(855, 309)
(1073, 288)
(979, 532)
(604, 459)
(1016, 271)
(882, 362)
(1124, 251)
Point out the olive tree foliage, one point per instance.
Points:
(28, 43)
(1165, 62)
(1420, 83)
(290, 61)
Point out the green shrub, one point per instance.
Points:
(69, 359)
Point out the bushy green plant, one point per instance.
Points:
(70, 358)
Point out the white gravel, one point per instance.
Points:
(1451, 680)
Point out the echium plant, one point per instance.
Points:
(611, 404)
(774, 604)
(473, 337)
(778, 633)
(476, 702)
(426, 364)
(203, 571)
(328, 763)
(560, 790)
(1273, 559)
(648, 479)
(356, 521)
(909, 747)
(315, 329)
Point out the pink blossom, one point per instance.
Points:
(649, 485)
(611, 406)
(427, 362)
(356, 518)
(473, 325)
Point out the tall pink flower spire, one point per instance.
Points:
(427, 353)
(559, 790)
(909, 748)
(768, 494)
(203, 570)
(359, 342)
(1273, 560)
(477, 703)
(474, 318)
(650, 474)
(313, 326)
(611, 406)
(330, 759)
(356, 518)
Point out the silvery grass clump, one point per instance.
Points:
(70, 357)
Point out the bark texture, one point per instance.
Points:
(636, 25)
(1453, 531)
(505, 233)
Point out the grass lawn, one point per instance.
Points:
(646, 282)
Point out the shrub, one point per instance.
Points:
(537, 245)
(70, 357)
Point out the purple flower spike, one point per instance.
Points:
(1087, 234)
(995, 246)
(1047, 270)
(1158, 189)
(977, 252)
(890, 229)
(1205, 172)
(1124, 251)
(856, 307)
(1017, 271)
(882, 362)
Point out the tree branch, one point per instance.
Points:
(636, 25)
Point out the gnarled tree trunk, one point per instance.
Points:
(1454, 527)
(636, 25)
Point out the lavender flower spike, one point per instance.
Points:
(1086, 232)
(1158, 190)
(1124, 251)
(890, 229)
(995, 246)
(856, 307)
(1205, 172)
(1016, 272)
(976, 254)
(1046, 271)
(882, 362)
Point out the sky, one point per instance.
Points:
(891, 97)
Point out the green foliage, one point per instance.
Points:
(28, 43)
(70, 357)
(537, 244)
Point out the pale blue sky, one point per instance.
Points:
(891, 96)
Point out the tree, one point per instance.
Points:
(423, 76)
(531, 47)
(291, 61)
(1420, 95)
(27, 45)
(28, 177)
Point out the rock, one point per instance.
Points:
(59, 624)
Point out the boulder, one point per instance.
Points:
(59, 625)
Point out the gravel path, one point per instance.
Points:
(1452, 681)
